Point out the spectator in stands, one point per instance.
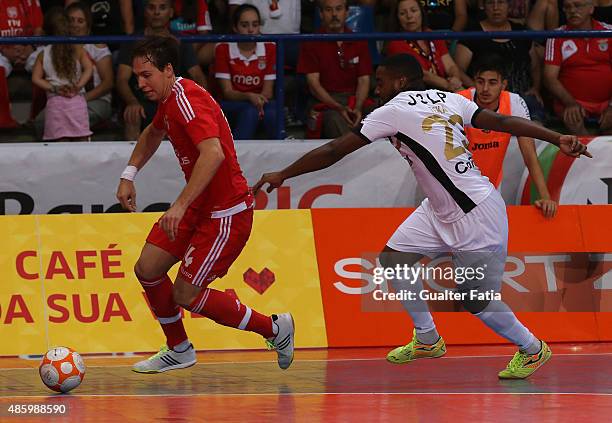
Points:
(191, 17)
(17, 18)
(110, 17)
(277, 18)
(98, 90)
(246, 72)
(98, 93)
(139, 111)
(439, 69)
(62, 70)
(445, 14)
(489, 147)
(578, 71)
(337, 74)
(543, 15)
(524, 69)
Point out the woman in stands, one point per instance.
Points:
(98, 93)
(439, 69)
(246, 72)
(62, 70)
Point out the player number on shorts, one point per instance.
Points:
(188, 259)
(450, 151)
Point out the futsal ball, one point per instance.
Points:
(62, 369)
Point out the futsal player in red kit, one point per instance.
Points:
(208, 224)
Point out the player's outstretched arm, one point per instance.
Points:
(317, 159)
(568, 144)
(147, 145)
(547, 206)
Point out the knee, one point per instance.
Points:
(474, 306)
(184, 294)
(142, 272)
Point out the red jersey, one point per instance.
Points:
(203, 22)
(19, 17)
(246, 73)
(585, 64)
(189, 116)
(338, 66)
(430, 62)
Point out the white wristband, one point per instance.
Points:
(129, 173)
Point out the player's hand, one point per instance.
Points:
(355, 115)
(126, 194)
(169, 222)
(536, 93)
(133, 113)
(547, 207)
(454, 83)
(274, 179)
(573, 115)
(605, 120)
(570, 146)
(346, 114)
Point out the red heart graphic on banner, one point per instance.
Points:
(261, 281)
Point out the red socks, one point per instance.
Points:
(228, 311)
(168, 313)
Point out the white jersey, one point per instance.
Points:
(427, 128)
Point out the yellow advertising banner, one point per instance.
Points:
(69, 281)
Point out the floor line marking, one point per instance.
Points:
(259, 394)
(216, 363)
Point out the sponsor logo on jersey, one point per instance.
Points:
(484, 145)
(603, 45)
(246, 80)
(568, 49)
(12, 12)
(463, 166)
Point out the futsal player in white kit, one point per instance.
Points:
(463, 213)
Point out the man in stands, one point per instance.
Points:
(578, 71)
(337, 74)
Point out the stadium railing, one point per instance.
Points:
(282, 39)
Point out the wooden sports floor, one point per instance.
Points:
(340, 385)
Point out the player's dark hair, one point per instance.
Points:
(240, 10)
(407, 66)
(490, 62)
(159, 50)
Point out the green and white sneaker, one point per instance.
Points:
(415, 350)
(283, 342)
(166, 359)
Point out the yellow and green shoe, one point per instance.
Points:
(523, 365)
(415, 350)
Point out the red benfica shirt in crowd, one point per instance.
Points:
(430, 62)
(586, 64)
(203, 22)
(246, 73)
(19, 17)
(338, 66)
(189, 116)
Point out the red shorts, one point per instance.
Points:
(208, 246)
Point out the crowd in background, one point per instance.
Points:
(77, 90)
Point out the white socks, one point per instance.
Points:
(498, 316)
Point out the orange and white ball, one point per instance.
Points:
(62, 369)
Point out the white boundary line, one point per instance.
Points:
(216, 363)
(263, 394)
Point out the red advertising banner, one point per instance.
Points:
(560, 268)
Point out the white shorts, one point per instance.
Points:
(484, 228)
